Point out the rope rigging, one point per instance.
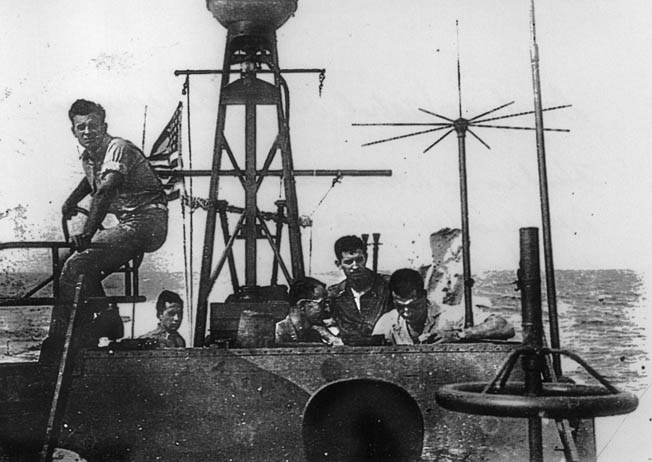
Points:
(188, 248)
(190, 203)
(308, 220)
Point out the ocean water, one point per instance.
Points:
(603, 315)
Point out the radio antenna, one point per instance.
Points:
(462, 126)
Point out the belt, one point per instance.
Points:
(153, 206)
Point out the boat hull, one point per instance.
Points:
(249, 404)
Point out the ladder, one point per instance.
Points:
(69, 353)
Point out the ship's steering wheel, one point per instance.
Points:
(64, 223)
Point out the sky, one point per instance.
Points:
(384, 60)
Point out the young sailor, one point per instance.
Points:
(358, 301)
(169, 311)
(415, 320)
(119, 181)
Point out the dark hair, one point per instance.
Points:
(164, 297)
(304, 288)
(85, 107)
(349, 244)
(402, 282)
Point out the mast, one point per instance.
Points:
(551, 292)
(251, 52)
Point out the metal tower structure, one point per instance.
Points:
(250, 53)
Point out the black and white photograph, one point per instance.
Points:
(325, 231)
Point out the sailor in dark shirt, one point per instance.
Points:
(169, 311)
(360, 300)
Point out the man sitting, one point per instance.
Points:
(360, 300)
(304, 322)
(119, 181)
(414, 320)
(169, 311)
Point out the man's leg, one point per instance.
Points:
(133, 235)
(118, 247)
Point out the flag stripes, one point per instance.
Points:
(165, 156)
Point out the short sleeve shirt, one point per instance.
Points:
(395, 330)
(140, 185)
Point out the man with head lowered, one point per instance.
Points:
(360, 300)
(305, 321)
(414, 320)
(121, 182)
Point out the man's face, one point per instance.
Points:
(413, 307)
(314, 307)
(171, 317)
(353, 264)
(89, 130)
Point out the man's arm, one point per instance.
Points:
(494, 328)
(82, 190)
(327, 336)
(99, 207)
(101, 201)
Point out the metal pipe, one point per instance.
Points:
(218, 268)
(224, 221)
(460, 127)
(543, 193)
(237, 71)
(322, 172)
(529, 281)
(534, 433)
(205, 282)
(271, 154)
(376, 238)
(277, 255)
(280, 206)
(292, 205)
(251, 244)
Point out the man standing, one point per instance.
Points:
(120, 181)
(359, 301)
(413, 320)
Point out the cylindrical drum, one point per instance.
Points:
(255, 330)
(270, 14)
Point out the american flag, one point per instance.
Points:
(165, 156)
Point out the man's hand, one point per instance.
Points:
(80, 242)
(446, 336)
(69, 210)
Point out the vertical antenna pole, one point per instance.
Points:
(461, 125)
(459, 72)
(142, 145)
(543, 193)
